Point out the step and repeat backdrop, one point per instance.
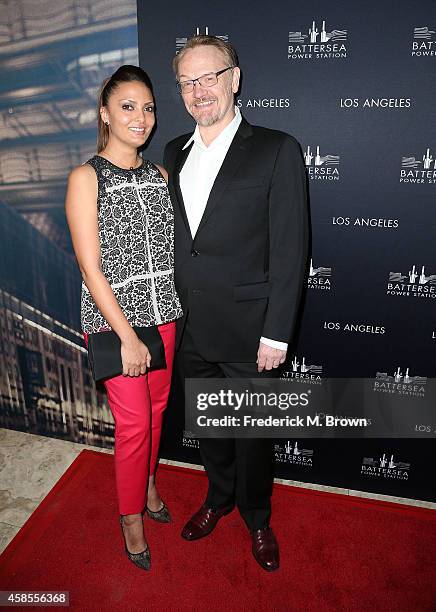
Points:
(355, 84)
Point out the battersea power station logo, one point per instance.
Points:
(401, 382)
(182, 40)
(424, 42)
(385, 467)
(413, 284)
(318, 43)
(292, 454)
(319, 278)
(420, 171)
(321, 167)
(303, 372)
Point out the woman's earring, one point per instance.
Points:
(106, 122)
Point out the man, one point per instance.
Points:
(239, 201)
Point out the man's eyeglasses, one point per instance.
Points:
(206, 80)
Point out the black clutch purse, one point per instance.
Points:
(104, 351)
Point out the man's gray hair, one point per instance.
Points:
(213, 41)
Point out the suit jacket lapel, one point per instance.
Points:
(180, 161)
(232, 161)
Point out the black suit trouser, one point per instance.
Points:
(239, 470)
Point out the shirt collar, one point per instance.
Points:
(225, 137)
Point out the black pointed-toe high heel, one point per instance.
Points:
(161, 516)
(141, 559)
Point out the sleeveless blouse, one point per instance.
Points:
(136, 232)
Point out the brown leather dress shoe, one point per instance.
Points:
(265, 549)
(203, 522)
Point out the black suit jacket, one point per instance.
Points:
(241, 276)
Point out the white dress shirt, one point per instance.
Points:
(198, 176)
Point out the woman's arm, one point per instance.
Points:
(81, 211)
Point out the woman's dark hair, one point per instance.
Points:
(124, 74)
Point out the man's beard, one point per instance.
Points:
(205, 119)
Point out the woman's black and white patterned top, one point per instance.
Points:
(136, 231)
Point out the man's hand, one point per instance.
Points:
(269, 358)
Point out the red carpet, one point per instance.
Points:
(338, 553)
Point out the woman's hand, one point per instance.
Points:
(135, 357)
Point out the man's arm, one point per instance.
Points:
(288, 233)
(166, 157)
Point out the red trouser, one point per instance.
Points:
(137, 405)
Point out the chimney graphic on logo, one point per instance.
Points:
(313, 33)
(422, 279)
(427, 159)
(324, 37)
(311, 270)
(398, 375)
(308, 156)
(413, 274)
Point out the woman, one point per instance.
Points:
(121, 223)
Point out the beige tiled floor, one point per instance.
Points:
(30, 465)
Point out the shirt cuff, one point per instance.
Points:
(283, 346)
